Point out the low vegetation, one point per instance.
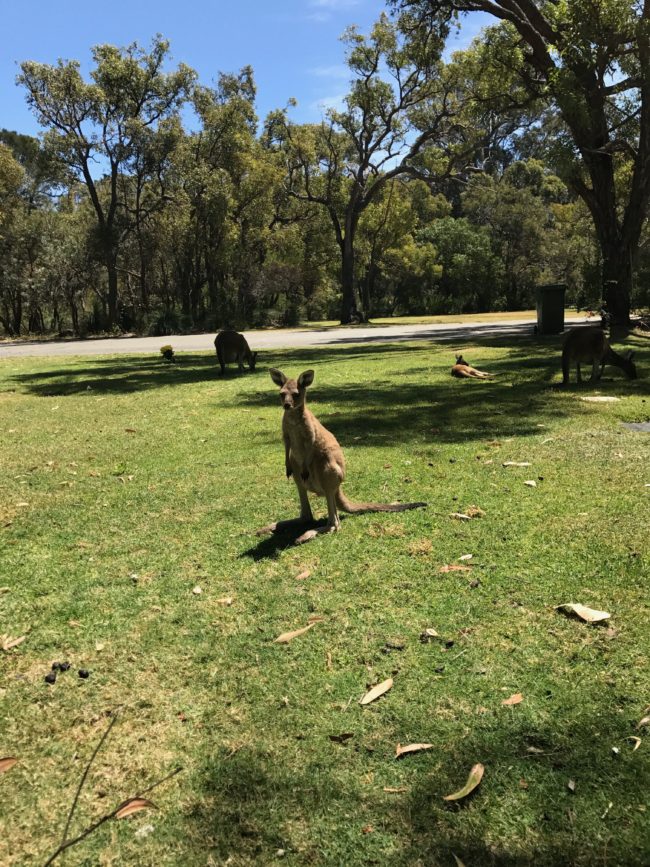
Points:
(129, 496)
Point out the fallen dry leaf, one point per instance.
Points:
(589, 615)
(531, 483)
(7, 763)
(395, 790)
(571, 785)
(516, 464)
(286, 637)
(225, 600)
(303, 575)
(460, 517)
(411, 748)
(600, 399)
(466, 557)
(377, 691)
(459, 863)
(367, 830)
(7, 642)
(475, 512)
(130, 430)
(475, 777)
(133, 805)
(342, 738)
(197, 590)
(635, 741)
(455, 567)
(517, 698)
(643, 722)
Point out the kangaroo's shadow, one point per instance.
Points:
(282, 538)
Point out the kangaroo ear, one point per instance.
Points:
(277, 376)
(305, 379)
(459, 357)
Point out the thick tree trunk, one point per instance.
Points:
(617, 282)
(349, 310)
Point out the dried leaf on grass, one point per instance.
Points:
(517, 698)
(466, 557)
(600, 399)
(475, 777)
(395, 790)
(474, 512)
(643, 722)
(342, 738)
(377, 691)
(636, 741)
(411, 748)
(303, 575)
(286, 637)
(7, 763)
(7, 642)
(197, 590)
(455, 567)
(460, 517)
(132, 806)
(531, 483)
(516, 464)
(457, 861)
(589, 615)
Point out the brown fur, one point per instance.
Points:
(314, 458)
(463, 370)
(232, 346)
(591, 346)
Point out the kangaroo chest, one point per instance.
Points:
(300, 433)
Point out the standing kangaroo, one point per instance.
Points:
(591, 346)
(463, 370)
(232, 346)
(314, 458)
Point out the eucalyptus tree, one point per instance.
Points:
(102, 124)
(395, 122)
(589, 62)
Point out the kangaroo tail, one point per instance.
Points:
(346, 505)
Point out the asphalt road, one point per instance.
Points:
(280, 339)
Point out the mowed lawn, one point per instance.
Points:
(127, 483)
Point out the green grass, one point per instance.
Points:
(86, 505)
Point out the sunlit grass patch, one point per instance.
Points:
(127, 483)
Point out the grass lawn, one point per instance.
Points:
(127, 483)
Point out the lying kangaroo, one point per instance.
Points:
(465, 371)
(591, 346)
(232, 346)
(314, 458)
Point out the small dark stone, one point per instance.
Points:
(541, 478)
(452, 460)
(475, 583)
(440, 669)
(455, 499)
(56, 666)
(83, 673)
(64, 666)
(51, 677)
(449, 642)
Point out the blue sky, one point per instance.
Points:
(292, 45)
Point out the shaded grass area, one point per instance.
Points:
(126, 483)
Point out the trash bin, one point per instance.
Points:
(550, 308)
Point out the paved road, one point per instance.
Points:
(281, 338)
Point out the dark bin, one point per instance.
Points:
(550, 308)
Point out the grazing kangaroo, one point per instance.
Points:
(314, 458)
(463, 370)
(591, 346)
(232, 346)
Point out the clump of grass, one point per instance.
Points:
(125, 484)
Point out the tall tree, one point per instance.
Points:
(591, 62)
(104, 123)
(393, 124)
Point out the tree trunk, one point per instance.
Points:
(111, 268)
(349, 311)
(617, 282)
